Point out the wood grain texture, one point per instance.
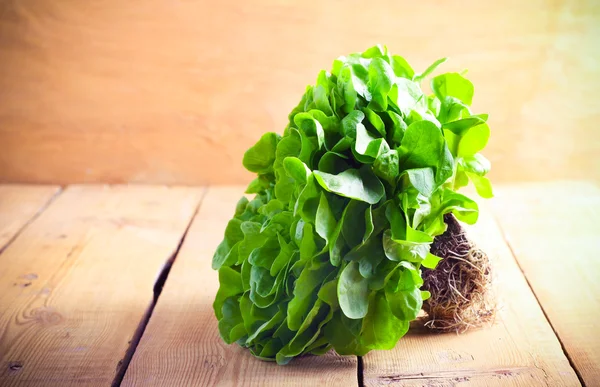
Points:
(181, 345)
(520, 349)
(174, 91)
(554, 232)
(76, 282)
(18, 205)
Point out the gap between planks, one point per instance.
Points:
(360, 376)
(553, 230)
(109, 214)
(541, 306)
(157, 290)
(45, 204)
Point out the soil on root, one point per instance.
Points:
(460, 286)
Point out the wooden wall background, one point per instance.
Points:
(166, 91)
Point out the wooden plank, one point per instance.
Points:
(18, 205)
(520, 349)
(146, 91)
(554, 233)
(76, 283)
(181, 345)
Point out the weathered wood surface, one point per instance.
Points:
(77, 281)
(149, 91)
(554, 232)
(75, 284)
(519, 349)
(19, 204)
(181, 345)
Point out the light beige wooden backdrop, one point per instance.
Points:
(167, 91)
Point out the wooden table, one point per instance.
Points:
(112, 284)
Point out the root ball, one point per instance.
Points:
(460, 286)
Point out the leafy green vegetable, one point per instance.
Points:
(348, 200)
